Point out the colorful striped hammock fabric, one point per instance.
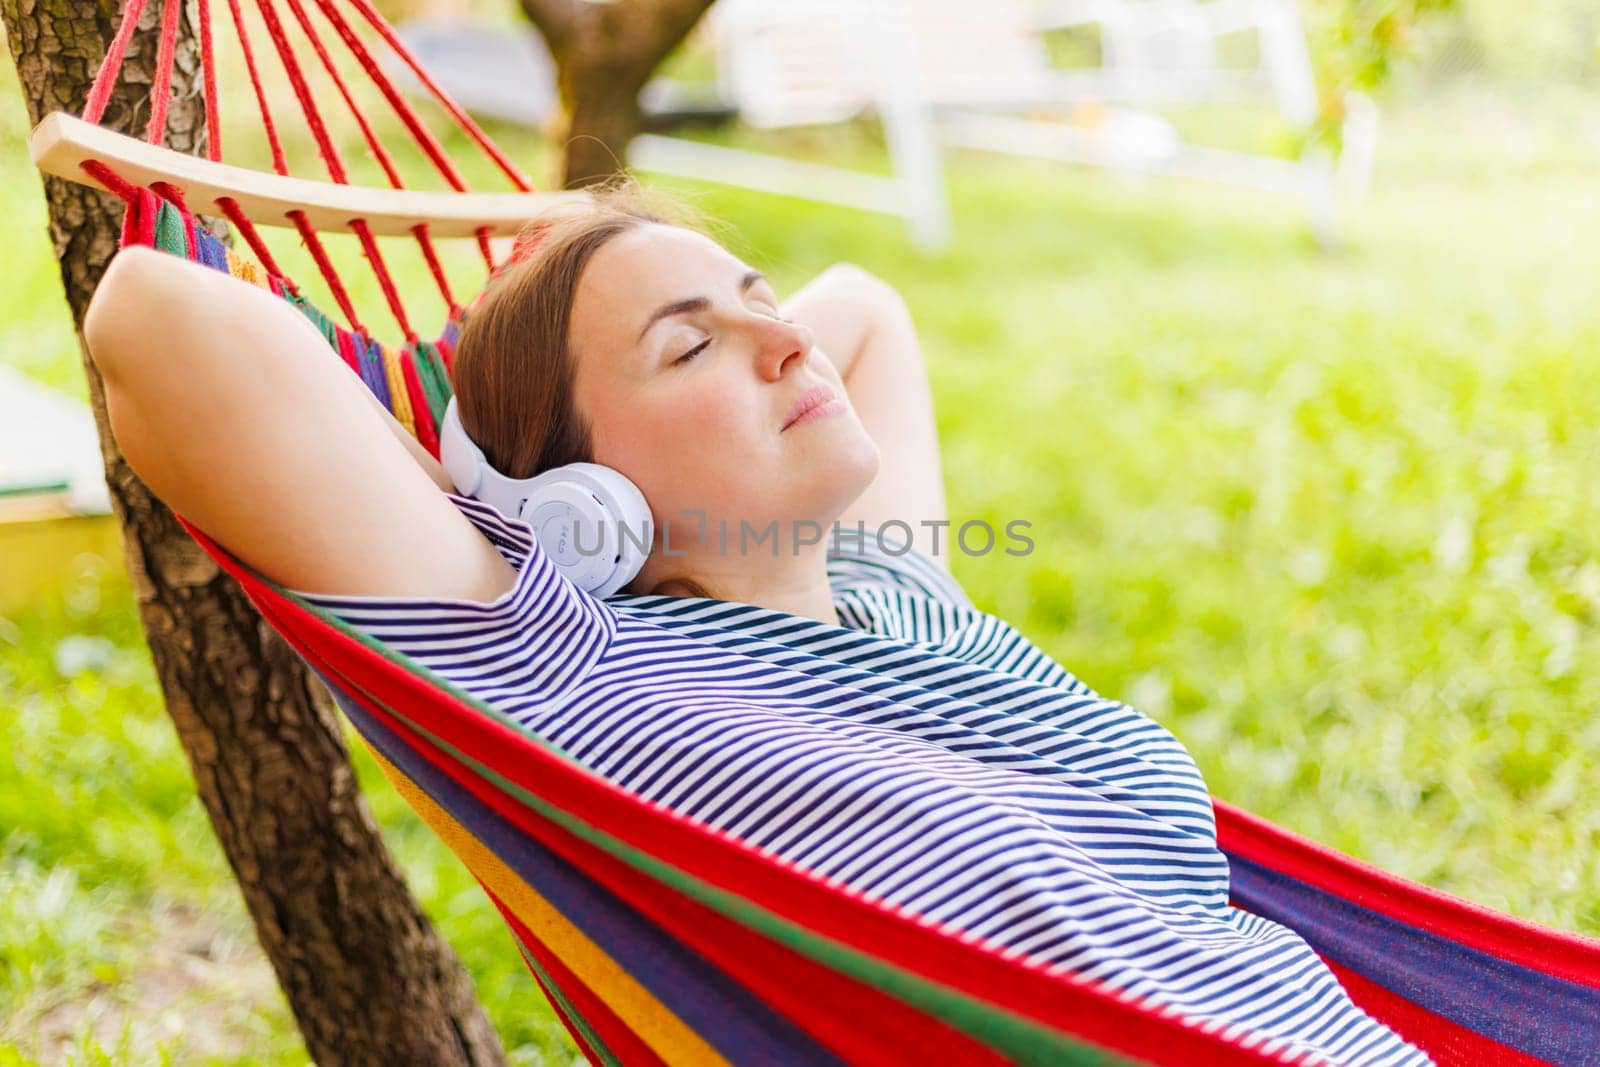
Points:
(658, 940)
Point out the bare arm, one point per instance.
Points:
(430, 466)
(231, 407)
(862, 324)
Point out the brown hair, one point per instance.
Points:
(514, 372)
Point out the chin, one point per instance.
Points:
(847, 473)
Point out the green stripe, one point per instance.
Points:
(29, 488)
(1015, 1036)
(578, 1021)
(435, 382)
(324, 325)
(171, 234)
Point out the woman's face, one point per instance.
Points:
(690, 382)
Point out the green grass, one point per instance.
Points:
(1329, 517)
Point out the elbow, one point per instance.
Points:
(116, 323)
(865, 287)
(879, 304)
(853, 276)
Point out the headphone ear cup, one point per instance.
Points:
(592, 522)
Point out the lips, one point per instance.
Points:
(814, 397)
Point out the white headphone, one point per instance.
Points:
(591, 521)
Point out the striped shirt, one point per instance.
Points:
(919, 751)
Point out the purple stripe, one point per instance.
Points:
(1528, 1010)
(725, 1014)
(369, 355)
(211, 251)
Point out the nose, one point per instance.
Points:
(782, 347)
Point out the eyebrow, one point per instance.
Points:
(696, 303)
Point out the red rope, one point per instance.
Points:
(279, 162)
(302, 91)
(434, 266)
(385, 282)
(111, 180)
(105, 79)
(424, 138)
(208, 67)
(385, 160)
(402, 108)
(161, 93)
(314, 245)
(492, 150)
(336, 170)
(482, 234)
(173, 193)
(161, 87)
(247, 229)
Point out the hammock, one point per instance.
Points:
(655, 938)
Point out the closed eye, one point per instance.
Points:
(689, 355)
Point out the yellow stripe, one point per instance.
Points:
(399, 399)
(656, 1026)
(246, 269)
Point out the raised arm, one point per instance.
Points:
(232, 408)
(863, 325)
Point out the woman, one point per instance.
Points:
(841, 705)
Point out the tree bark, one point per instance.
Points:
(604, 53)
(369, 979)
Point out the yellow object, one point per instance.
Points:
(246, 269)
(650, 1020)
(39, 550)
(399, 399)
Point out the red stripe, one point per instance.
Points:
(421, 413)
(617, 1036)
(1562, 955)
(555, 1004)
(827, 1005)
(1450, 1044)
(566, 1020)
(347, 351)
(1072, 1008)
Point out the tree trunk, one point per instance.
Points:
(369, 979)
(604, 53)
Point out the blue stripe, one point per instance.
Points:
(927, 756)
(1528, 1010)
(725, 1014)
